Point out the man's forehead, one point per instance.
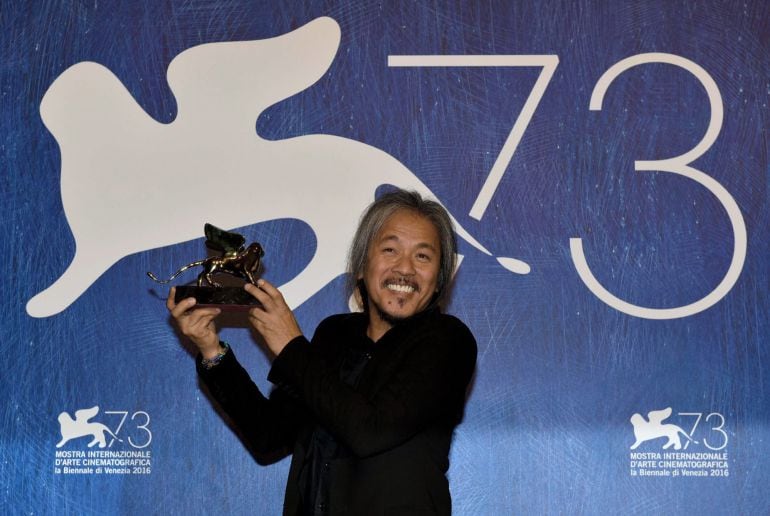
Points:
(409, 221)
(388, 237)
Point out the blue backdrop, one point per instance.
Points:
(548, 426)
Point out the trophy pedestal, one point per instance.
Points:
(231, 299)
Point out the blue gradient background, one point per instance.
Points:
(559, 373)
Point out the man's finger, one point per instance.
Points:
(258, 293)
(170, 303)
(269, 289)
(198, 321)
(205, 312)
(256, 313)
(183, 306)
(203, 316)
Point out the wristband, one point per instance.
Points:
(208, 363)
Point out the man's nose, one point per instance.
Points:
(404, 265)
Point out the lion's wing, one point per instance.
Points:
(86, 414)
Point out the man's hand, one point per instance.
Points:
(273, 320)
(197, 325)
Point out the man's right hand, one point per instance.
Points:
(197, 325)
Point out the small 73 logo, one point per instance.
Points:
(654, 428)
(80, 426)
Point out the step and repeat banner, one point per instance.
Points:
(606, 164)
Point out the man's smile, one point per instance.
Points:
(402, 287)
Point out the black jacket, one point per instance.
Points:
(396, 424)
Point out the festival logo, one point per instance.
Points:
(706, 456)
(131, 455)
(121, 169)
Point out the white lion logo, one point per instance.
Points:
(81, 427)
(120, 168)
(648, 430)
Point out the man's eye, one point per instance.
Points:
(424, 257)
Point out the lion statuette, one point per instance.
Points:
(235, 259)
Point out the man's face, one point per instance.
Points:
(402, 268)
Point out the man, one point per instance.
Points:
(367, 407)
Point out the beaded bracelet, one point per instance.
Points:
(208, 363)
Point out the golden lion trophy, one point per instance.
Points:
(235, 259)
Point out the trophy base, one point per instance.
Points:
(231, 299)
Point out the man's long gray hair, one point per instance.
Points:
(374, 218)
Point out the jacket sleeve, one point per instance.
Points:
(268, 425)
(426, 387)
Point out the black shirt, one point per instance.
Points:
(391, 416)
(323, 448)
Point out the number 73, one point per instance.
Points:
(719, 429)
(676, 165)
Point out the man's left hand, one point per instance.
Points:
(274, 320)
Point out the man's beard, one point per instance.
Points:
(393, 320)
